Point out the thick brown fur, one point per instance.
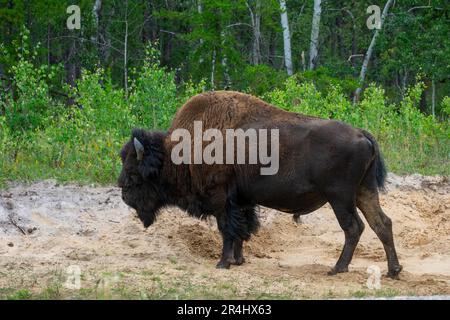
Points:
(320, 161)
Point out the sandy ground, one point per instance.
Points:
(46, 228)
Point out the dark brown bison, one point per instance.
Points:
(320, 161)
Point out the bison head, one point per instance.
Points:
(140, 179)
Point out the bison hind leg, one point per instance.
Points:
(351, 223)
(381, 224)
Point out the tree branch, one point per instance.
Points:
(419, 7)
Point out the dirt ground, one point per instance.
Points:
(47, 230)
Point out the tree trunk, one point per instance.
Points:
(71, 68)
(200, 12)
(433, 97)
(255, 17)
(95, 38)
(96, 13)
(125, 52)
(213, 68)
(272, 49)
(315, 27)
(286, 38)
(224, 62)
(362, 74)
(149, 32)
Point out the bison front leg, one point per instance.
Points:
(227, 248)
(236, 257)
(236, 225)
(238, 252)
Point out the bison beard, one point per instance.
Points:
(320, 161)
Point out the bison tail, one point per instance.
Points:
(380, 166)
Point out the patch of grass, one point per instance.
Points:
(85, 294)
(380, 293)
(273, 296)
(21, 294)
(51, 292)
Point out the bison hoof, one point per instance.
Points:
(239, 261)
(223, 265)
(335, 271)
(393, 273)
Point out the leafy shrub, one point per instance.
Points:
(446, 106)
(26, 105)
(82, 142)
(154, 93)
(323, 79)
(40, 138)
(258, 79)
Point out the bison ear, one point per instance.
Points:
(149, 148)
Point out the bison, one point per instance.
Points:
(320, 161)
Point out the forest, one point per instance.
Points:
(77, 76)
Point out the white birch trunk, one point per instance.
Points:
(224, 62)
(286, 38)
(96, 12)
(125, 52)
(200, 11)
(315, 27)
(255, 17)
(213, 68)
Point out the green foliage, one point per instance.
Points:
(26, 106)
(260, 79)
(41, 138)
(22, 294)
(82, 143)
(323, 79)
(446, 105)
(154, 93)
(410, 140)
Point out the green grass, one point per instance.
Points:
(144, 285)
(150, 286)
(379, 293)
(21, 294)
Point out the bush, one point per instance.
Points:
(26, 105)
(82, 142)
(259, 79)
(154, 93)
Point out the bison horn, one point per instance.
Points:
(139, 149)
